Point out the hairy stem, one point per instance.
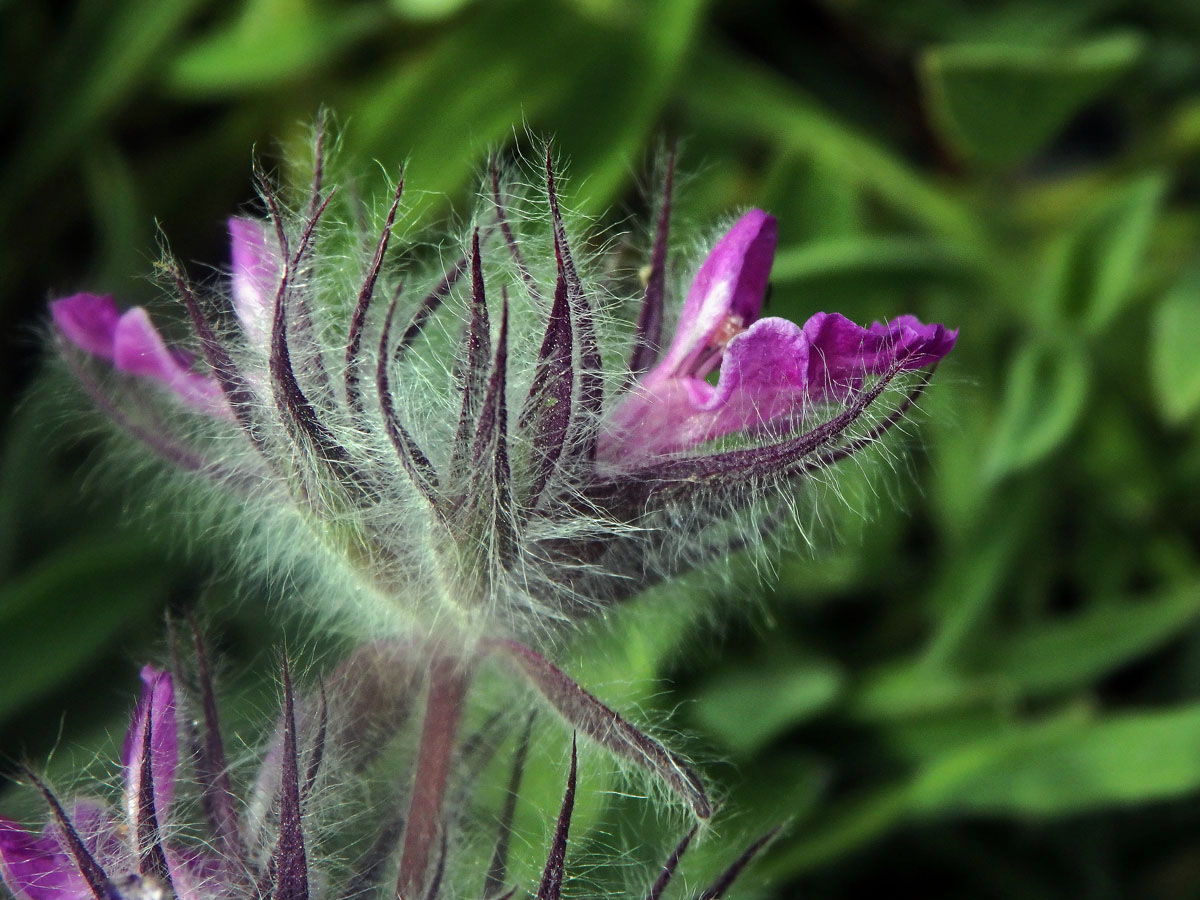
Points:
(448, 681)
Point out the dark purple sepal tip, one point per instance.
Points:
(591, 384)
(152, 859)
(99, 883)
(473, 365)
(552, 876)
(365, 295)
(725, 880)
(647, 342)
(586, 714)
(412, 458)
(547, 408)
(672, 863)
(290, 858)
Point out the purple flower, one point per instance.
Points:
(268, 845)
(458, 455)
(253, 279)
(133, 345)
(772, 371)
(88, 851)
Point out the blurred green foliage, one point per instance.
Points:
(985, 681)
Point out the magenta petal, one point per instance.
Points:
(88, 321)
(843, 353)
(770, 374)
(914, 344)
(763, 383)
(197, 875)
(764, 379)
(655, 418)
(139, 349)
(726, 296)
(158, 704)
(254, 277)
(35, 867)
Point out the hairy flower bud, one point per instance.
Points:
(483, 450)
(473, 455)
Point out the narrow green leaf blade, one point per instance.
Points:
(1045, 394)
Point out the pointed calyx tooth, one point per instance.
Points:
(295, 408)
(473, 366)
(98, 881)
(306, 428)
(552, 875)
(547, 408)
(491, 485)
(290, 860)
(721, 473)
(148, 429)
(510, 237)
(668, 869)
(647, 341)
(365, 295)
(591, 383)
(876, 432)
(318, 176)
(152, 859)
(316, 753)
(590, 717)
(725, 880)
(233, 383)
(414, 461)
(212, 774)
(497, 874)
(490, 430)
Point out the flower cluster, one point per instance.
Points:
(264, 844)
(362, 411)
(468, 452)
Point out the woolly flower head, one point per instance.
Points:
(486, 447)
(285, 832)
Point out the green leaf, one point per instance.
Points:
(1045, 394)
(999, 103)
(909, 690)
(440, 112)
(609, 114)
(729, 94)
(1174, 360)
(747, 706)
(1054, 655)
(269, 42)
(428, 10)
(1069, 765)
(814, 265)
(1093, 268)
(96, 587)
